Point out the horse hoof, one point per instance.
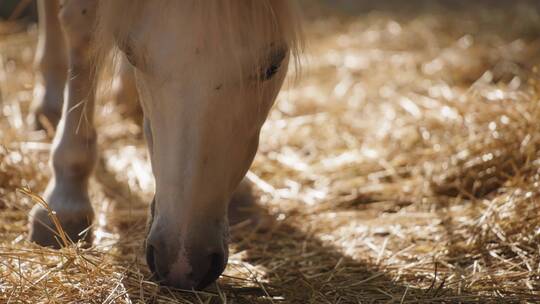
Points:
(74, 225)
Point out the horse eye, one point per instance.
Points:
(273, 63)
(271, 71)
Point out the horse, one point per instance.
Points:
(206, 75)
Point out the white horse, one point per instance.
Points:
(207, 73)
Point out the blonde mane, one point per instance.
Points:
(222, 23)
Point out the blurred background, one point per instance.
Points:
(11, 10)
(402, 166)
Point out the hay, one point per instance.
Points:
(402, 168)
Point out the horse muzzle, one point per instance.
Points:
(186, 263)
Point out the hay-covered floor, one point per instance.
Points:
(403, 167)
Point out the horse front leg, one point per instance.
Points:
(74, 146)
(51, 63)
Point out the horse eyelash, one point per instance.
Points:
(271, 71)
(276, 60)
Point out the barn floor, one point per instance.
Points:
(401, 167)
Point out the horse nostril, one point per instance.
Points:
(217, 265)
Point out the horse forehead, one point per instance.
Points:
(182, 42)
(198, 58)
(190, 32)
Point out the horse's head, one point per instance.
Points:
(207, 76)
